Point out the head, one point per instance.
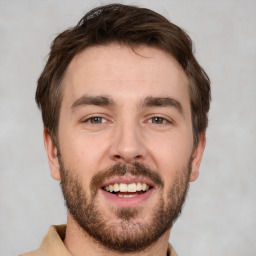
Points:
(124, 105)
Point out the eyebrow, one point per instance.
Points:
(92, 100)
(162, 102)
(148, 102)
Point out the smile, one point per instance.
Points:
(127, 190)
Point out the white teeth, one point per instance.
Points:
(138, 186)
(116, 187)
(132, 187)
(111, 188)
(127, 196)
(122, 187)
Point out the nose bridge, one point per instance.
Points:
(127, 144)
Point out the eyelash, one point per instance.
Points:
(163, 120)
(152, 120)
(90, 119)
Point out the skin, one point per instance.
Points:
(127, 131)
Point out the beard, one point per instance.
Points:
(127, 232)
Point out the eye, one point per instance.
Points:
(158, 120)
(95, 120)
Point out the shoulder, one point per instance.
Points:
(52, 244)
(171, 251)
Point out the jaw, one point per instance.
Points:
(75, 236)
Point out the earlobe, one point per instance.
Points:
(197, 157)
(52, 155)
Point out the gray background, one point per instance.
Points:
(219, 215)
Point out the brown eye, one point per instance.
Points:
(97, 120)
(158, 120)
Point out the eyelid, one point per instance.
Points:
(163, 120)
(89, 117)
(102, 119)
(167, 120)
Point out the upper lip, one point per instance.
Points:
(127, 180)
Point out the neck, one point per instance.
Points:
(79, 243)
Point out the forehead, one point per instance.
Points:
(120, 71)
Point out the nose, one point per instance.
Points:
(128, 144)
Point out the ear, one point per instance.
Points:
(197, 157)
(51, 151)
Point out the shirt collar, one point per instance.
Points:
(53, 245)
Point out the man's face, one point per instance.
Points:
(125, 147)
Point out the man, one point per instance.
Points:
(124, 105)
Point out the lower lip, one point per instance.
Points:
(127, 202)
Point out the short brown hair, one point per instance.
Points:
(128, 25)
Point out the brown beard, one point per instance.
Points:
(127, 233)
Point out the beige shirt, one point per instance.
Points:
(52, 244)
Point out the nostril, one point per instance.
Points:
(120, 157)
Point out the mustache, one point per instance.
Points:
(135, 169)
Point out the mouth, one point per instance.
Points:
(129, 190)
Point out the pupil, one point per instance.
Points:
(96, 120)
(158, 120)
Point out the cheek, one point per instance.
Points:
(171, 156)
(173, 148)
(82, 153)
